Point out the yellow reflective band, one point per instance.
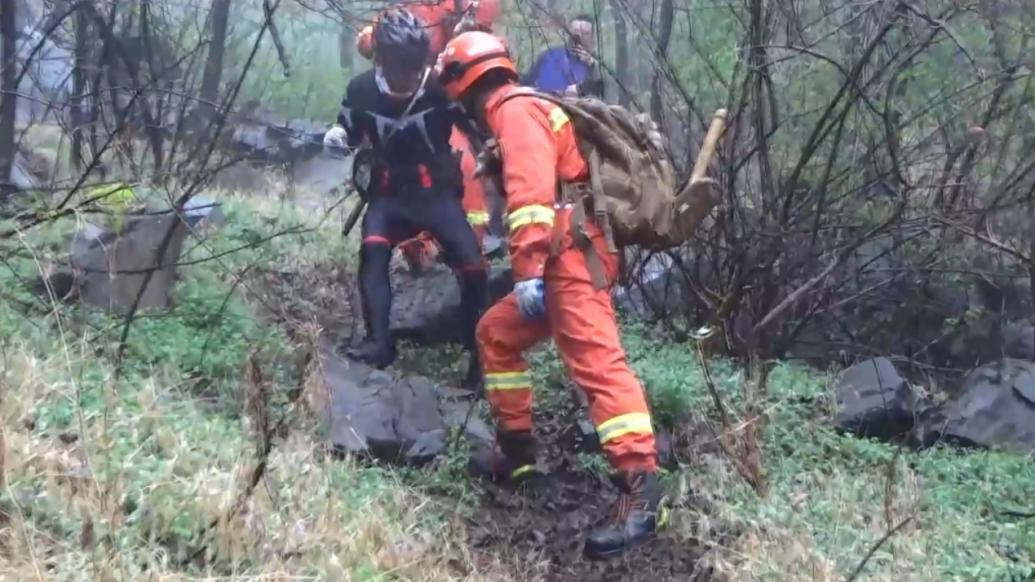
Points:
(532, 214)
(508, 381)
(522, 470)
(634, 422)
(478, 218)
(558, 119)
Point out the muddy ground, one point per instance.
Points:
(533, 535)
(538, 534)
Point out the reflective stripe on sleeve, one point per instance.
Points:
(558, 119)
(531, 214)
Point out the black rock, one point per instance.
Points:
(995, 408)
(112, 267)
(396, 419)
(426, 308)
(873, 400)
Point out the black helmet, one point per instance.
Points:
(401, 37)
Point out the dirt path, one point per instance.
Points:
(539, 535)
(534, 536)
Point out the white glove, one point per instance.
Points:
(531, 298)
(335, 137)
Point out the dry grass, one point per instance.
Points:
(129, 495)
(121, 480)
(834, 498)
(128, 479)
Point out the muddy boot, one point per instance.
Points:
(637, 512)
(379, 354)
(511, 461)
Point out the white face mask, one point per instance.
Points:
(385, 88)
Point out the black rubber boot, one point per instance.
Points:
(511, 461)
(474, 380)
(474, 298)
(379, 354)
(636, 515)
(377, 349)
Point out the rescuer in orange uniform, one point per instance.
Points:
(443, 20)
(554, 294)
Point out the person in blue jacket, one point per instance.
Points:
(569, 69)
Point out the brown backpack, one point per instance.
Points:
(633, 193)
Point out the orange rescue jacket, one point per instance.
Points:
(537, 151)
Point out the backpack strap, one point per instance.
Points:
(574, 193)
(600, 215)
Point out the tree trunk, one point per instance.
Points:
(99, 64)
(621, 53)
(664, 35)
(347, 50)
(79, 116)
(155, 131)
(763, 113)
(8, 83)
(219, 15)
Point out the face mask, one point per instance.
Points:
(386, 89)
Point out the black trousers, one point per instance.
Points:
(392, 218)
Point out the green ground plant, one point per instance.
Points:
(134, 472)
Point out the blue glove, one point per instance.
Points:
(531, 298)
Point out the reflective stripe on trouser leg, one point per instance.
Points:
(503, 336)
(478, 217)
(621, 425)
(510, 398)
(586, 333)
(500, 381)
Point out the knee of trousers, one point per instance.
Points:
(374, 250)
(483, 331)
(489, 335)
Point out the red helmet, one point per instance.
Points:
(469, 56)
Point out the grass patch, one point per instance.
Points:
(112, 476)
(120, 477)
(833, 496)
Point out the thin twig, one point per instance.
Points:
(858, 569)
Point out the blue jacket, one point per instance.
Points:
(556, 69)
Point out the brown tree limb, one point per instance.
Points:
(806, 287)
(873, 550)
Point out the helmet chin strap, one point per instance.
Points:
(385, 88)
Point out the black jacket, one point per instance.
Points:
(401, 144)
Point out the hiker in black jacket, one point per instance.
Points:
(406, 120)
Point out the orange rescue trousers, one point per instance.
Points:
(582, 322)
